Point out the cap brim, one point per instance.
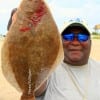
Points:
(76, 24)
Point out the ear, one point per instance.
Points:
(90, 42)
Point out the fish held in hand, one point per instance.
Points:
(32, 48)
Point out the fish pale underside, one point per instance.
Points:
(32, 48)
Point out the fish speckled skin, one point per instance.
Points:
(32, 48)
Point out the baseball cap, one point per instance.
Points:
(76, 23)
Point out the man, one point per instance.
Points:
(78, 76)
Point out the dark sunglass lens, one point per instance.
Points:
(68, 37)
(83, 37)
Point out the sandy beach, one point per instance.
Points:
(7, 92)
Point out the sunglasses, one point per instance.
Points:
(81, 37)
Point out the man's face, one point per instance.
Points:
(75, 52)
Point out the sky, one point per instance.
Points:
(62, 11)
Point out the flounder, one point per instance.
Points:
(32, 47)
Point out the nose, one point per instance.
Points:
(75, 41)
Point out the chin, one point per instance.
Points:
(75, 58)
